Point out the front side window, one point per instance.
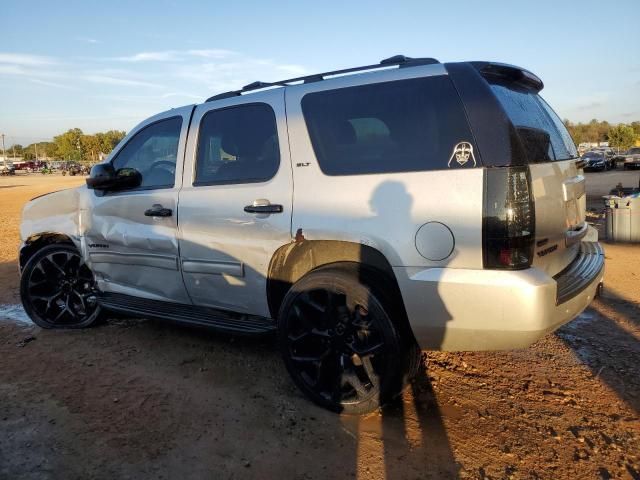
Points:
(237, 145)
(400, 126)
(153, 152)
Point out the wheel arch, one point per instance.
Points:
(39, 240)
(294, 260)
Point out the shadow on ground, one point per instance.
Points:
(613, 353)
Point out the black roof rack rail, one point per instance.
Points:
(399, 60)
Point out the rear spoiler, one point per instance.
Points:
(509, 73)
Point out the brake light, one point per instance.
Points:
(508, 229)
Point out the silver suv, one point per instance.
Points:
(362, 214)
(7, 168)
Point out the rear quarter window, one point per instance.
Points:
(542, 133)
(400, 126)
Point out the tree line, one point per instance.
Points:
(621, 136)
(76, 146)
(73, 145)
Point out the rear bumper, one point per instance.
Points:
(457, 309)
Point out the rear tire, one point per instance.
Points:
(339, 343)
(58, 290)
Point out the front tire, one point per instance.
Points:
(57, 289)
(339, 343)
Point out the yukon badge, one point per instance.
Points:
(462, 151)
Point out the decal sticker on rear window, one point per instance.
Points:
(462, 152)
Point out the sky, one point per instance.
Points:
(100, 65)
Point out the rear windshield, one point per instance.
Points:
(541, 131)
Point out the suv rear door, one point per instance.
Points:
(235, 205)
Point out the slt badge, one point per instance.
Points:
(462, 152)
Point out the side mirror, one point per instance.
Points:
(104, 177)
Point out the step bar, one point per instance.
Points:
(221, 320)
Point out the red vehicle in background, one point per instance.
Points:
(30, 165)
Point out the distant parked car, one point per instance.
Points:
(29, 165)
(620, 157)
(595, 161)
(7, 168)
(608, 155)
(35, 166)
(73, 169)
(57, 165)
(632, 158)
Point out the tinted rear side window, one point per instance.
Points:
(237, 145)
(541, 131)
(401, 126)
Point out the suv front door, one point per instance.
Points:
(131, 236)
(235, 205)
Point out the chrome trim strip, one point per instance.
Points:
(235, 269)
(167, 262)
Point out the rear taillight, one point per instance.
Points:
(508, 228)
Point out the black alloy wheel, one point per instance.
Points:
(339, 344)
(58, 289)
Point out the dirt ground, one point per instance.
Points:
(140, 399)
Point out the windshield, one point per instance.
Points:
(541, 131)
(592, 155)
(634, 151)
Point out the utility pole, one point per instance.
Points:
(36, 145)
(79, 151)
(4, 155)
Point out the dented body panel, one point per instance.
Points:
(132, 253)
(128, 252)
(57, 212)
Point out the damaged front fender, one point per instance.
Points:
(57, 213)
